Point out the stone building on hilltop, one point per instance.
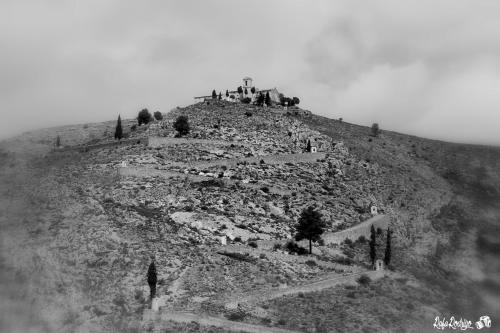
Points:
(247, 90)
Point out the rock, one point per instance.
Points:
(275, 210)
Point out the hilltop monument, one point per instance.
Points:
(246, 90)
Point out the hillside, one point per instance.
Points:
(81, 223)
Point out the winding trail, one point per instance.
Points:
(158, 318)
(264, 295)
(185, 317)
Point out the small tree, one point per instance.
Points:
(118, 129)
(246, 91)
(387, 257)
(181, 125)
(158, 115)
(260, 100)
(246, 100)
(58, 141)
(296, 100)
(310, 226)
(373, 240)
(308, 148)
(252, 90)
(240, 90)
(268, 98)
(214, 94)
(144, 117)
(227, 93)
(375, 129)
(152, 279)
(220, 96)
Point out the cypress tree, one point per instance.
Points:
(227, 93)
(152, 279)
(220, 95)
(373, 252)
(58, 141)
(387, 257)
(119, 130)
(268, 99)
(214, 94)
(308, 148)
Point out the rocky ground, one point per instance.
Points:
(80, 226)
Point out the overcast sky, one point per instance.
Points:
(430, 68)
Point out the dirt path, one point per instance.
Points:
(183, 317)
(264, 295)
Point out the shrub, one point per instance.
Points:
(144, 117)
(265, 189)
(236, 316)
(253, 244)
(348, 241)
(342, 260)
(246, 100)
(276, 246)
(133, 128)
(362, 239)
(375, 129)
(158, 115)
(248, 114)
(262, 256)
(296, 100)
(293, 247)
(364, 280)
(181, 125)
(351, 294)
(311, 263)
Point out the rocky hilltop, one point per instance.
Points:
(216, 207)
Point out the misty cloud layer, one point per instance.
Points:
(430, 68)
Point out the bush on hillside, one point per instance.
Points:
(181, 125)
(158, 115)
(364, 280)
(375, 130)
(144, 117)
(246, 100)
(253, 244)
(248, 114)
(293, 247)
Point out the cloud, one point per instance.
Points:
(419, 68)
(385, 61)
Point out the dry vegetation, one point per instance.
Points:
(77, 234)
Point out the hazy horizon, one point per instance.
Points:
(426, 68)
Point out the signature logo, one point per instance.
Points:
(461, 324)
